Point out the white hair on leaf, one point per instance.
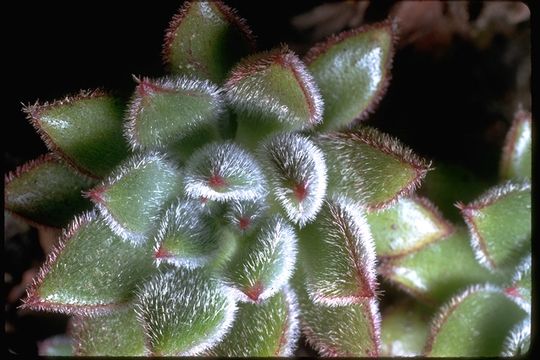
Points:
(296, 175)
(224, 172)
(170, 85)
(518, 341)
(173, 301)
(266, 263)
(244, 216)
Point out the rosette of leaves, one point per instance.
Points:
(238, 202)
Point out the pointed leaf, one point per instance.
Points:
(262, 330)
(184, 312)
(404, 329)
(86, 130)
(264, 261)
(58, 345)
(500, 224)
(519, 289)
(245, 216)
(46, 192)
(338, 255)
(518, 342)
(353, 71)
(430, 273)
(297, 176)
(90, 271)
(371, 167)
(516, 162)
(273, 87)
(223, 172)
(186, 236)
(132, 198)
(206, 38)
(115, 334)
(406, 226)
(474, 323)
(168, 112)
(350, 330)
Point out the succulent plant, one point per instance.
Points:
(237, 205)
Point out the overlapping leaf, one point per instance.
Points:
(115, 334)
(297, 176)
(57, 345)
(206, 38)
(184, 312)
(518, 342)
(500, 224)
(352, 70)
(264, 261)
(474, 323)
(406, 226)
(338, 255)
(132, 198)
(46, 192)
(431, 274)
(370, 167)
(86, 130)
(516, 162)
(91, 271)
(520, 287)
(260, 330)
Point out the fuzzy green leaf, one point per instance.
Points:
(370, 167)
(429, 274)
(272, 87)
(184, 312)
(58, 345)
(91, 271)
(206, 38)
(406, 226)
(264, 261)
(338, 255)
(500, 224)
(352, 70)
(263, 330)
(186, 235)
(345, 331)
(297, 176)
(244, 217)
(115, 334)
(404, 329)
(46, 192)
(86, 130)
(168, 112)
(224, 172)
(518, 342)
(132, 198)
(516, 162)
(474, 323)
(520, 286)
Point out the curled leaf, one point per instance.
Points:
(518, 341)
(184, 312)
(500, 224)
(474, 323)
(261, 330)
(86, 130)
(406, 226)
(46, 192)
(297, 176)
(224, 172)
(338, 255)
(115, 334)
(206, 38)
(516, 161)
(263, 263)
(370, 167)
(352, 70)
(91, 271)
(132, 198)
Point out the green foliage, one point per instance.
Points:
(239, 205)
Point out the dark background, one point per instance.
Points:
(448, 109)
